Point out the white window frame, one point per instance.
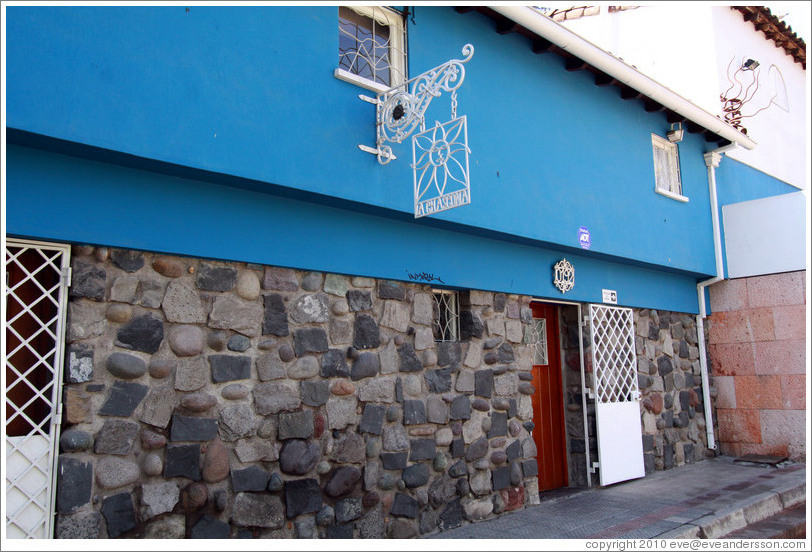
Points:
(452, 307)
(663, 183)
(397, 49)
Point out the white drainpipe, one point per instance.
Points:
(712, 159)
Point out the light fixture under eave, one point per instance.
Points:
(675, 134)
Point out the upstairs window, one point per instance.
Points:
(666, 168)
(371, 47)
(446, 325)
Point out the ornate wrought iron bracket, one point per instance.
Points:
(439, 154)
(402, 109)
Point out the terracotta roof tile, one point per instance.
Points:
(776, 30)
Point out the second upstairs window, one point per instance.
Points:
(666, 168)
(371, 47)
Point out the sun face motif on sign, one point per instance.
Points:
(441, 168)
(564, 275)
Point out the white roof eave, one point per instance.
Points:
(620, 71)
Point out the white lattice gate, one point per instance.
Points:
(35, 305)
(617, 398)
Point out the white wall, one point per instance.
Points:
(668, 43)
(765, 236)
(781, 134)
(687, 47)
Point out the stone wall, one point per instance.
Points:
(211, 399)
(669, 378)
(758, 361)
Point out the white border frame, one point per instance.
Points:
(658, 142)
(397, 49)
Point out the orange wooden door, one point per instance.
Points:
(548, 400)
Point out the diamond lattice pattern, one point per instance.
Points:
(613, 356)
(34, 307)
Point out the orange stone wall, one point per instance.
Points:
(757, 351)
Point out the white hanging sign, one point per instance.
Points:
(441, 168)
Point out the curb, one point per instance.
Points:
(787, 524)
(718, 524)
(792, 494)
(735, 518)
(687, 531)
(762, 506)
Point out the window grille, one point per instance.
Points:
(538, 338)
(371, 46)
(666, 166)
(446, 315)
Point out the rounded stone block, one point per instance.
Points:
(75, 440)
(198, 402)
(215, 464)
(286, 353)
(654, 403)
(248, 286)
(151, 440)
(167, 267)
(311, 281)
(159, 368)
(235, 391)
(120, 313)
(186, 340)
(113, 472)
(342, 387)
(126, 366)
(238, 343)
(194, 496)
(152, 464)
(304, 368)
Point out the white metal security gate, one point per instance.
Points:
(617, 398)
(37, 279)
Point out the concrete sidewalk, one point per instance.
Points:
(709, 499)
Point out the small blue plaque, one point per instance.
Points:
(583, 238)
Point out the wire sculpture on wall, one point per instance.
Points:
(741, 93)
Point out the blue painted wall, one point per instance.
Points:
(82, 201)
(235, 92)
(737, 182)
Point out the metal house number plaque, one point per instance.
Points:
(440, 153)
